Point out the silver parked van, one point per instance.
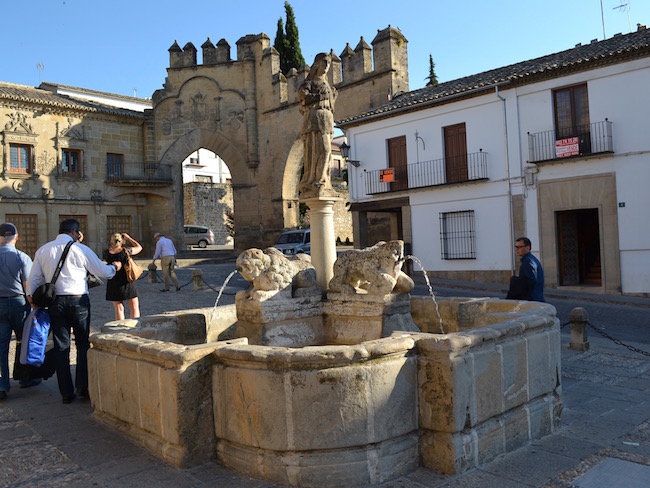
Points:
(294, 242)
(198, 235)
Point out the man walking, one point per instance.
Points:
(71, 308)
(166, 251)
(15, 267)
(531, 274)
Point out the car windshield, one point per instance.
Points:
(290, 238)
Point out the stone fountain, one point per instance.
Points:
(329, 373)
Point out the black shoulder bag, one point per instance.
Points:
(45, 294)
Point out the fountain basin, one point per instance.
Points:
(335, 415)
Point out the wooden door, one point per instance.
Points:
(456, 153)
(397, 161)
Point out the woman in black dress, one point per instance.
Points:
(118, 287)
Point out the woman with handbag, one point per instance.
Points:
(119, 288)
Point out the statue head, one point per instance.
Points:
(321, 65)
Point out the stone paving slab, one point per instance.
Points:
(613, 473)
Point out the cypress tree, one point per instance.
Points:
(294, 55)
(280, 45)
(433, 79)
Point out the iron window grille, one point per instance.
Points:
(458, 235)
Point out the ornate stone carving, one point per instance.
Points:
(271, 274)
(200, 110)
(72, 189)
(77, 132)
(21, 187)
(376, 270)
(44, 165)
(18, 123)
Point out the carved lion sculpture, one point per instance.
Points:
(271, 273)
(375, 270)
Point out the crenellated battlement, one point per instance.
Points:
(388, 57)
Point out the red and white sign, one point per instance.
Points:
(567, 147)
(386, 175)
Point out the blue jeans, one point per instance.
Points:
(70, 313)
(13, 312)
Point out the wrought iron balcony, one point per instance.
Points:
(424, 174)
(138, 173)
(582, 140)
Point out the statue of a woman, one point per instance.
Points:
(317, 98)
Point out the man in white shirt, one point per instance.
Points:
(71, 309)
(166, 251)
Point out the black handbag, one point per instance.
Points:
(45, 294)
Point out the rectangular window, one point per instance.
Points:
(456, 153)
(458, 235)
(71, 162)
(21, 157)
(114, 166)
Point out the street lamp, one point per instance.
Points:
(345, 152)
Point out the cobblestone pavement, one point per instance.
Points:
(604, 440)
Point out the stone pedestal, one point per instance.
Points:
(353, 319)
(323, 240)
(289, 322)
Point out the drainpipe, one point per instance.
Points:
(508, 187)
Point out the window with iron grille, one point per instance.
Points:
(458, 235)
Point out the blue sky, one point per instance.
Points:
(121, 46)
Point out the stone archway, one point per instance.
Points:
(183, 147)
(246, 111)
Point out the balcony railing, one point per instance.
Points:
(582, 140)
(436, 172)
(138, 172)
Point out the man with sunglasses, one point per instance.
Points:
(71, 308)
(531, 275)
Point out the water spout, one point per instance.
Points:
(433, 296)
(223, 287)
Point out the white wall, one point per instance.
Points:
(618, 93)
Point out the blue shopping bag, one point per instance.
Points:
(35, 332)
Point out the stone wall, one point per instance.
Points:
(38, 198)
(343, 216)
(207, 204)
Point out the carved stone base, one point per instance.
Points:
(290, 322)
(352, 319)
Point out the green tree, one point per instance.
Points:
(281, 45)
(433, 79)
(294, 55)
(287, 42)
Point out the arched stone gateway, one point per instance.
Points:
(246, 111)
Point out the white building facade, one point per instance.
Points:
(556, 149)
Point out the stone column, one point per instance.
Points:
(323, 240)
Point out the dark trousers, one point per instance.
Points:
(70, 313)
(13, 312)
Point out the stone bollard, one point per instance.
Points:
(153, 278)
(197, 276)
(578, 318)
